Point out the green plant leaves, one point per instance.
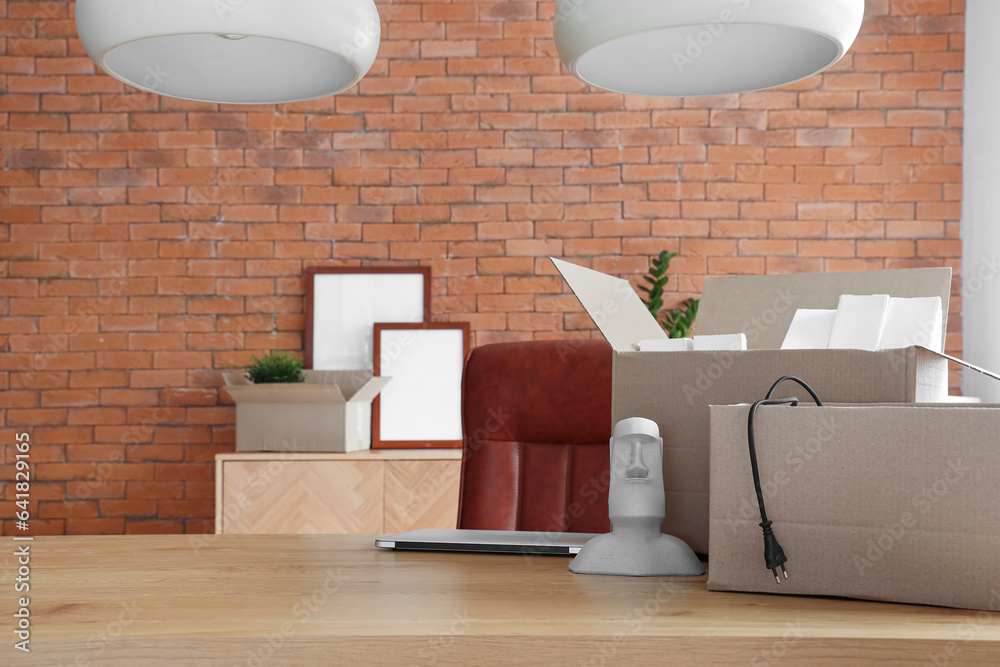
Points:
(676, 322)
(275, 367)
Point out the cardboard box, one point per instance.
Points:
(674, 389)
(880, 502)
(330, 412)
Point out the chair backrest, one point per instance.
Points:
(536, 420)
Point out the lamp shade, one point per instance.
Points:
(232, 51)
(674, 48)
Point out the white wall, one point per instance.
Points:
(980, 228)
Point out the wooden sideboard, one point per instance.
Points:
(374, 491)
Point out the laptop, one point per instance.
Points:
(486, 541)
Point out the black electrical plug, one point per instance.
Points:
(774, 555)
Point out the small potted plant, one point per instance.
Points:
(281, 407)
(275, 367)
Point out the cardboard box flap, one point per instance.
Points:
(285, 392)
(319, 387)
(962, 362)
(762, 307)
(356, 386)
(613, 305)
(369, 390)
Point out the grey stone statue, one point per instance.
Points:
(636, 505)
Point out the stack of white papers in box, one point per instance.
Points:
(912, 322)
(868, 322)
(810, 329)
(858, 322)
(707, 342)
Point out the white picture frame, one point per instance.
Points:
(421, 406)
(344, 303)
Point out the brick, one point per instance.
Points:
(768, 247)
(173, 452)
(128, 508)
(94, 489)
(111, 526)
(150, 379)
(98, 378)
(69, 397)
(830, 248)
(128, 397)
(96, 416)
(185, 508)
(157, 527)
(81, 509)
(887, 248)
(915, 118)
(63, 471)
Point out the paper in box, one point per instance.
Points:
(329, 412)
(897, 502)
(674, 389)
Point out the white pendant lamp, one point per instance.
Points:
(674, 48)
(232, 51)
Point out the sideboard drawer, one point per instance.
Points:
(421, 494)
(362, 492)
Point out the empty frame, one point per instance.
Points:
(421, 405)
(344, 303)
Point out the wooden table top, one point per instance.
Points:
(336, 600)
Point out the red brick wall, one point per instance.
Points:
(146, 243)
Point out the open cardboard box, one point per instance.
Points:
(674, 389)
(889, 502)
(330, 412)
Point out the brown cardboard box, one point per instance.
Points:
(674, 389)
(881, 502)
(330, 412)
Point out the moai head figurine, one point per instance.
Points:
(636, 505)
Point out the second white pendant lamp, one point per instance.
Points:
(675, 48)
(232, 51)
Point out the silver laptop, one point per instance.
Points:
(486, 541)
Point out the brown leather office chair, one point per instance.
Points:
(536, 420)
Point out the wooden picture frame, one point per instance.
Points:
(421, 407)
(343, 304)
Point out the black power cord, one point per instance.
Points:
(774, 555)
